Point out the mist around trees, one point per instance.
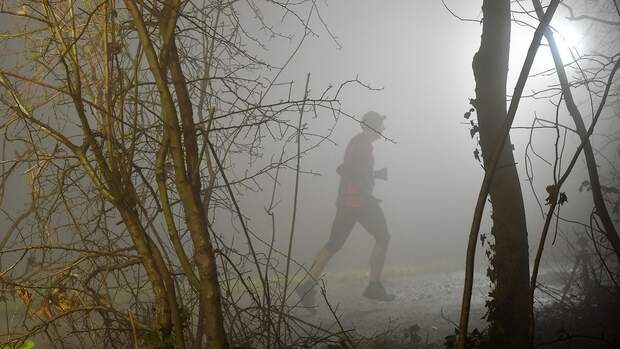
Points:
(163, 163)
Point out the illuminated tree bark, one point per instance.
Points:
(180, 143)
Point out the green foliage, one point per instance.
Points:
(28, 344)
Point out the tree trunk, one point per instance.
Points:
(163, 318)
(509, 312)
(183, 151)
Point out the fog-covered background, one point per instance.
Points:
(408, 60)
(418, 57)
(412, 60)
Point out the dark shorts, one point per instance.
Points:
(370, 216)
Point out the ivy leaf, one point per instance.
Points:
(473, 131)
(477, 155)
(467, 115)
(28, 344)
(563, 198)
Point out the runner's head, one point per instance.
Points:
(372, 123)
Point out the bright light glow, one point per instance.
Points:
(567, 37)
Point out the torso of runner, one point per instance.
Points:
(356, 173)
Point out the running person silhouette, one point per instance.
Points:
(356, 204)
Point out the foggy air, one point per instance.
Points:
(333, 174)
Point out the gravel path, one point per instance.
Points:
(430, 300)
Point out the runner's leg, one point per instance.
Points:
(341, 229)
(373, 220)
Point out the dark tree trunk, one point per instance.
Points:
(510, 310)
